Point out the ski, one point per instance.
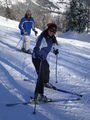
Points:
(51, 101)
(57, 89)
(65, 91)
(32, 100)
(16, 103)
(23, 51)
(31, 81)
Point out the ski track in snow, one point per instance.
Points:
(73, 74)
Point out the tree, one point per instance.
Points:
(7, 5)
(78, 16)
(88, 8)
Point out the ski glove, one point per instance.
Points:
(36, 33)
(56, 52)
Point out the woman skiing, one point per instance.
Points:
(46, 42)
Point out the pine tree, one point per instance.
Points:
(78, 16)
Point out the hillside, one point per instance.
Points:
(73, 74)
(55, 5)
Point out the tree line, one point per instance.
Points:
(75, 18)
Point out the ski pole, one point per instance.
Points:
(56, 67)
(34, 112)
(19, 42)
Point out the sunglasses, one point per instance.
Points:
(53, 31)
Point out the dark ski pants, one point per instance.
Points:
(42, 69)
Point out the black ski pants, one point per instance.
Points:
(42, 69)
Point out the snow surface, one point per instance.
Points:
(61, 4)
(3, 2)
(73, 73)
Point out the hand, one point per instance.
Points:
(41, 57)
(56, 52)
(25, 33)
(36, 33)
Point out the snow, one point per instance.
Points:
(61, 4)
(7, 22)
(16, 1)
(3, 2)
(73, 73)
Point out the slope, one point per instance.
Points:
(73, 75)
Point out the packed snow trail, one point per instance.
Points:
(73, 74)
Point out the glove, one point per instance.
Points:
(36, 33)
(56, 52)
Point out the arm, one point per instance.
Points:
(33, 27)
(21, 26)
(38, 43)
(36, 51)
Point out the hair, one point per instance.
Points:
(28, 11)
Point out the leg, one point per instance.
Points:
(46, 71)
(36, 63)
(23, 41)
(27, 42)
(46, 75)
(40, 71)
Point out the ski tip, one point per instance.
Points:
(81, 95)
(34, 112)
(10, 105)
(25, 79)
(78, 98)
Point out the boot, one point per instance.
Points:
(23, 50)
(28, 51)
(49, 85)
(42, 98)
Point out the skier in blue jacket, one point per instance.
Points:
(26, 24)
(46, 42)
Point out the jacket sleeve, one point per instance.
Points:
(37, 46)
(21, 25)
(33, 25)
(38, 43)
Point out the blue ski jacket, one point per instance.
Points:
(44, 45)
(26, 25)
